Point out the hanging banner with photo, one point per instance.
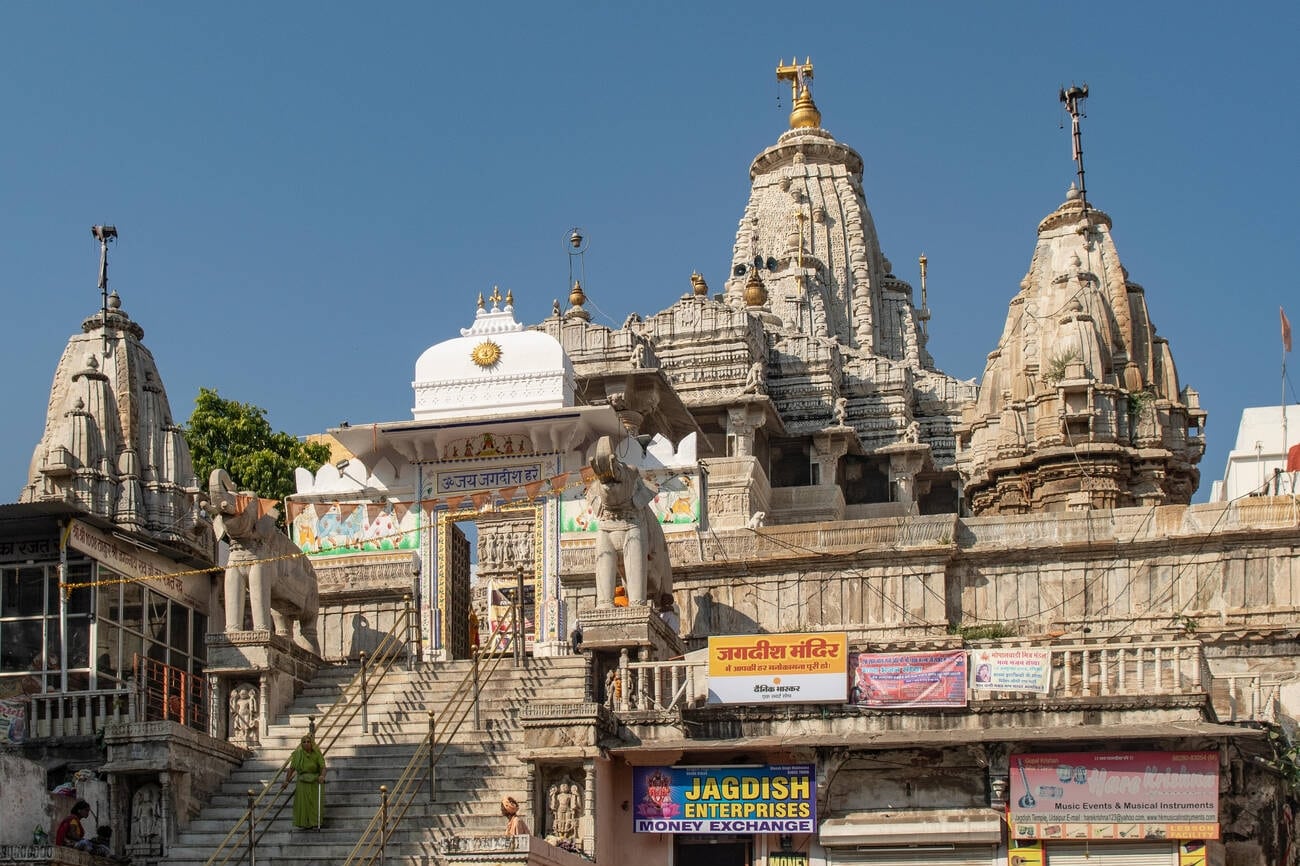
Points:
(1011, 670)
(778, 668)
(918, 679)
(1115, 795)
(13, 722)
(771, 799)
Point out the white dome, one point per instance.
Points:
(494, 368)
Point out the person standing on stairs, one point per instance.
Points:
(515, 826)
(307, 767)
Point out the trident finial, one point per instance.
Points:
(1072, 99)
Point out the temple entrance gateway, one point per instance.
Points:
(508, 537)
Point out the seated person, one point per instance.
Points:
(70, 830)
(100, 843)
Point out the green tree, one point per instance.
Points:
(227, 434)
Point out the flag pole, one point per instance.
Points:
(1286, 347)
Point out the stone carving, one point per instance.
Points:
(754, 379)
(145, 809)
(280, 581)
(841, 411)
(756, 520)
(638, 357)
(630, 540)
(565, 806)
(244, 715)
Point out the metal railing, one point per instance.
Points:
(420, 771)
(166, 693)
(240, 843)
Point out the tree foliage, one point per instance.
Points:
(227, 434)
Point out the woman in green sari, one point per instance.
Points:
(307, 767)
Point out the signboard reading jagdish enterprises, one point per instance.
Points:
(1115, 795)
(778, 668)
(773, 799)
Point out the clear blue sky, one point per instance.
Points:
(310, 194)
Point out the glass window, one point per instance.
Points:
(9, 592)
(132, 603)
(31, 591)
(108, 601)
(180, 628)
(79, 599)
(155, 616)
(200, 634)
(108, 649)
(22, 643)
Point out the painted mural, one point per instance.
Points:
(341, 528)
(677, 505)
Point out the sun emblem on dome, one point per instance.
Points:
(486, 354)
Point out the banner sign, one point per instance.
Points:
(773, 799)
(921, 679)
(778, 668)
(483, 479)
(1011, 670)
(789, 858)
(13, 722)
(1115, 795)
(154, 571)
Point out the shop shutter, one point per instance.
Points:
(966, 855)
(1112, 854)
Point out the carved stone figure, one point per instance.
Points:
(754, 379)
(638, 357)
(841, 411)
(756, 520)
(565, 807)
(280, 581)
(629, 540)
(243, 716)
(144, 815)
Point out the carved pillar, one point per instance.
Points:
(167, 811)
(742, 422)
(587, 824)
(264, 704)
(827, 450)
(218, 727)
(904, 464)
(530, 791)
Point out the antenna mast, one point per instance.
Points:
(1072, 99)
(104, 234)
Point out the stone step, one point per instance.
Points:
(477, 769)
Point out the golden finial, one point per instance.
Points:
(495, 297)
(510, 298)
(755, 291)
(805, 114)
(577, 297)
(697, 283)
(480, 300)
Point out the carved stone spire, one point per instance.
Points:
(1080, 405)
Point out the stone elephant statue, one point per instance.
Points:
(280, 580)
(629, 541)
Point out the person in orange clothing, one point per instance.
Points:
(620, 597)
(70, 830)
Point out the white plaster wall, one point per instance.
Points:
(26, 804)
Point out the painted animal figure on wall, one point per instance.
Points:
(630, 542)
(280, 581)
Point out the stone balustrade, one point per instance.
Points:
(77, 714)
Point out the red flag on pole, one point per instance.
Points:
(1286, 330)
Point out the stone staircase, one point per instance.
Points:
(478, 768)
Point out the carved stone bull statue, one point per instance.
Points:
(629, 542)
(281, 582)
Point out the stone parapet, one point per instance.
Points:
(566, 730)
(614, 628)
